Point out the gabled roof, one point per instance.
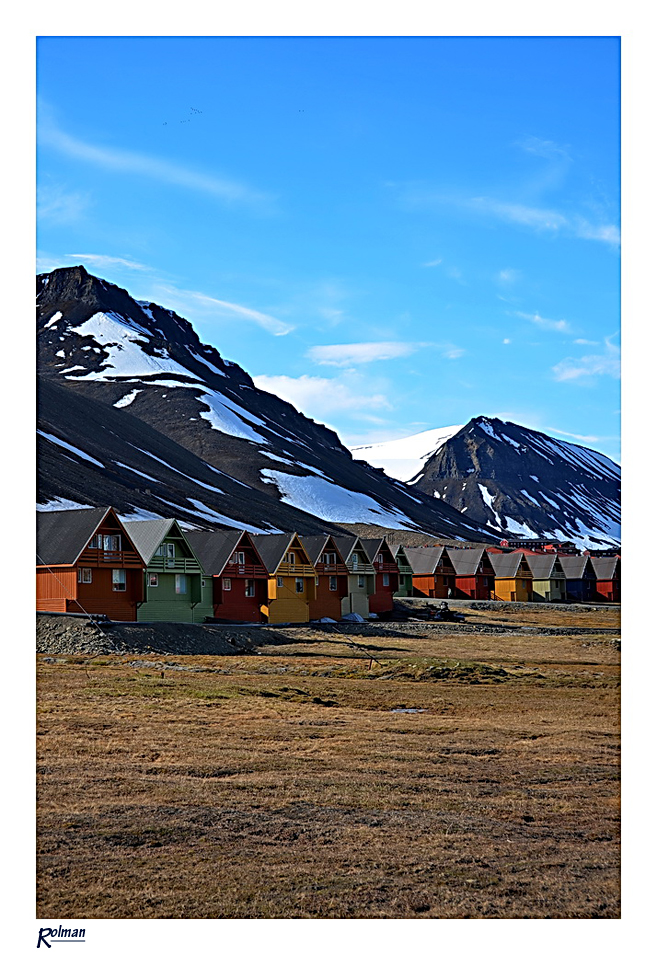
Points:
(424, 560)
(605, 567)
(575, 567)
(63, 535)
(214, 548)
(148, 535)
(544, 566)
(466, 560)
(507, 565)
(272, 548)
(372, 546)
(314, 544)
(346, 545)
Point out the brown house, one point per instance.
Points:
(87, 563)
(331, 576)
(433, 571)
(386, 580)
(474, 577)
(239, 577)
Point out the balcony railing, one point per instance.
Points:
(122, 558)
(244, 570)
(296, 569)
(387, 567)
(360, 568)
(179, 565)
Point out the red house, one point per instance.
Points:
(607, 573)
(239, 577)
(474, 577)
(433, 571)
(331, 576)
(87, 563)
(387, 573)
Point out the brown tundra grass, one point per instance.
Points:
(284, 785)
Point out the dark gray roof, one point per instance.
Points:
(148, 535)
(466, 560)
(544, 566)
(372, 546)
(345, 545)
(272, 548)
(506, 565)
(213, 548)
(423, 560)
(314, 544)
(63, 535)
(605, 567)
(575, 567)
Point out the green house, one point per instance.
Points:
(405, 588)
(549, 578)
(175, 587)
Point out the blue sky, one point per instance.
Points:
(395, 234)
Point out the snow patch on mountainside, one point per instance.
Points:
(330, 502)
(69, 447)
(404, 457)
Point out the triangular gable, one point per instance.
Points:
(577, 567)
(213, 549)
(273, 549)
(317, 544)
(347, 547)
(62, 536)
(424, 560)
(148, 535)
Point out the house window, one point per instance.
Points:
(291, 557)
(226, 583)
(181, 583)
(333, 583)
(111, 542)
(96, 541)
(162, 550)
(386, 580)
(118, 580)
(329, 558)
(203, 582)
(361, 581)
(249, 588)
(298, 584)
(240, 557)
(354, 561)
(445, 580)
(279, 581)
(84, 575)
(171, 551)
(153, 580)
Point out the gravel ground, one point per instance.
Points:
(74, 635)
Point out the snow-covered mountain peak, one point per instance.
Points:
(404, 458)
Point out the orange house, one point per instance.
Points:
(513, 576)
(291, 578)
(433, 571)
(331, 576)
(87, 563)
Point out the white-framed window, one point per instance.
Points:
(171, 551)
(240, 557)
(118, 580)
(84, 575)
(96, 542)
(181, 583)
(111, 542)
(386, 580)
(298, 585)
(249, 588)
(354, 561)
(329, 557)
(291, 557)
(153, 580)
(226, 583)
(202, 581)
(361, 580)
(333, 583)
(279, 581)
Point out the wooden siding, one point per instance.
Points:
(328, 603)
(100, 597)
(475, 587)
(608, 590)
(436, 585)
(163, 603)
(381, 600)
(550, 590)
(356, 602)
(284, 604)
(513, 588)
(234, 605)
(55, 588)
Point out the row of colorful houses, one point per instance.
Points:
(90, 561)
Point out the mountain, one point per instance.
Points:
(518, 482)
(404, 458)
(135, 411)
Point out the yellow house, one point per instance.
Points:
(291, 582)
(513, 577)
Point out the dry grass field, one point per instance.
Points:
(284, 784)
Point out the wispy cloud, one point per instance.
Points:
(585, 341)
(319, 397)
(549, 324)
(508, 276)
(590, 366)
(107, 261)
(126, 161)
(543, 147)
(432, 264)
(186, 298)
(360, 353)
(63, 205)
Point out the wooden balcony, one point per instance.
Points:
(297, 569)
(387, 567)
(177, 565)
(360, 568)
(110, 558)
(244, 570)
